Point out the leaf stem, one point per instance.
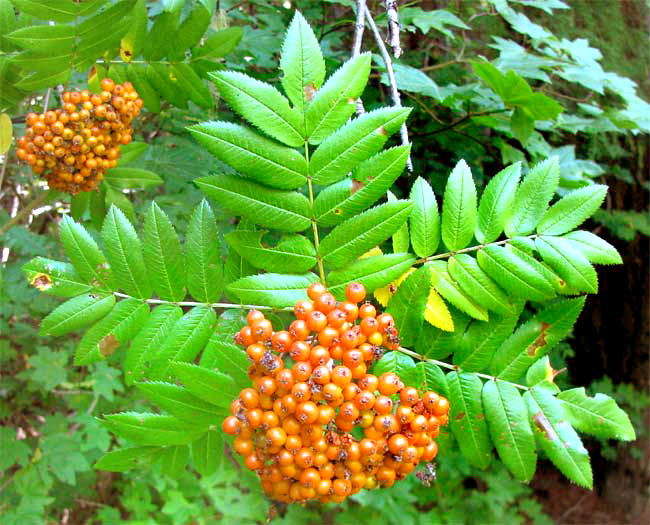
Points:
(470, 249)
(454, 367)
(196, 303)
(314, 225)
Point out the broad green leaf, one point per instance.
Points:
(595, 249)
(123, 459)
(158, 42)
(424, 219)
(436, 343)
(445, 285)
(572, 210)
(173, 460)
(116, 198)
(56, 10)
(281, 210)
(83, 252)
(214, 388)
(188, 81)
(219, 44)
(152, 429)
(372, 272)
(335, 102)
(293, 254)
(398, 363)
(541, 375)
(207, 452)
(356, 236)
(356, 141)
(37, 81)
(179, 402)
(496, 202)
(227, 358)
(467, 418)
(557, 438)
(7, 23)
(481, 340)
(76, 313)
(129, 178)
(191, 30)
(598, 415)
(400, 238)
(163, 255)
(148, 340)
(124, 253)
(559, 285)
(507, 420)
(369, 182)
(464, 269)
(54, 277)
(532, 198)
(568, 263)
(252, 154)
(459, 208)
(137, 75)
(112, 331)
(203, 256)
(262, 105)
(272, 289)
(429, 377)
(513, 274)
(38, 63)
(133, 41)
(159, 76)
(57, 39)
(408, 304)
(535, 338)
(301, 62)
(186, 339)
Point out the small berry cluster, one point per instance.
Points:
(73, 146)
(311, 389)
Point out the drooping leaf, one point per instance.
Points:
(227, 358)
(281, 210)
(595, 249)
(429, 377)
(128, 178)
(424, 219)
(408, 304)
(84, 253)
(568, 263)
(555, 436)
(598, 415)
(436, 312)
(333, 104)
(358, 235)
(148, 340)
(496, 202)
(137, 75)
(54, 277)
(124, 253)
(179, 402)
(272, 289)
(173, 460)
(355, 142)
(535, 338)
(152, 429)
(446, 286)
(373, 272)
(207, 452)
(215, 388)
(507, 420)
(219, 44)
(124, 459)
(252, 154)
(54, 39)
(76, 313)
(302, 62)
(203, 256)
(112, 331)
(398, 363)
(191, 29)
(459, 208)
(467, 417)
(542, 376)
(558, 284)
(163, 255)
(352, 195)
(532, 197)
(262, 105)
(572, 210)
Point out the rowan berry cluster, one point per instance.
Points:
(74, 145)
(311, 388)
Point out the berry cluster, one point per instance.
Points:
(311, 389)
(73, 146)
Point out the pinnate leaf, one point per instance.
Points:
(76, 313)
(408, 304)
(272, 289)
(207, 452)
(179, 402)
(424, 219)
(459, 208)
(211, 386)
(595, 249)
(568, 263)
(84, 253)
(54, 277)
(446, 286)
(152, 429)
(572, 210)
(495, 204)
(203, 255)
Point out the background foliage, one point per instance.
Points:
(543, 93)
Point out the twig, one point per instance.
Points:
(393, 27)
(212, 305)
(46, 102)
(5, 161)
(38, 201)
(391, 78)
(356, 43)
(465, 118)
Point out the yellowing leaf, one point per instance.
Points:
(6, 133)
(437, 313)
(384, 294)
(372, 252)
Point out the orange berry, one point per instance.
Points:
(355, 292)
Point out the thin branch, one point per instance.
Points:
(464, 119)
(3, 169)
(356, 43)
(212, 305)
(470, 249)
(391, 78)
(38, 201)
(393, 27)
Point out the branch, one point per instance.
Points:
(391, 78)
(393, 27)
(212, 305)
(38, 201)
(464, 119)
(356, 43)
